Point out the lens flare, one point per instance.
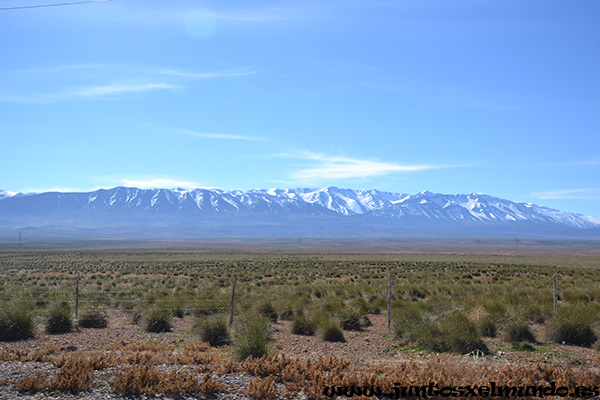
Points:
(200, 24)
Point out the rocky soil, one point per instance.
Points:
(372, 347)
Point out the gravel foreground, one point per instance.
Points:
(367, 350)
(102, 385)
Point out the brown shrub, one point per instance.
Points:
(194, 353)
(291, 389)
(266, 365)
(143, 358)
(137, 380)
(211, 385)
(146, 380)
(31, 384)
(262, 388)
(76, 375)
(44, 355)
(17, 355)
(102, 360)
(196, 347)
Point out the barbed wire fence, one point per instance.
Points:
(80, 297)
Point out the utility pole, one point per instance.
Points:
(20, 244)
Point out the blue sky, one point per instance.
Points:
(500, 97)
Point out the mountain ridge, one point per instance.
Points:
(329, 211)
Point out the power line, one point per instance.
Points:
(52, 5)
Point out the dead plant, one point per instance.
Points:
(262, 388)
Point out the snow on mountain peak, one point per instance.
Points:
(5, 193)
(423, 206)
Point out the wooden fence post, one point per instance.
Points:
(232, 301)
(77, 300)
(555, 296)
(389, 302)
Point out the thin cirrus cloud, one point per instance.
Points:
(569, 194)
(588, 162)
(156, 183)
(262, 15)
(72, 82)
(108, 90)
(223, 136)
(171, 15)
(87, 92)
(206, 75)
(336, 167)
(47, 189)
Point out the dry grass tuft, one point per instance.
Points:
(146, 380)
(76, 375)
(211, 385)
(266, 365)
(76, 372)
(138, 380)
(31, 384)
(262, 388)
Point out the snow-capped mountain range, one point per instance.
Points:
(329, 211)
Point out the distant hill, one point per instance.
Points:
(124, 212)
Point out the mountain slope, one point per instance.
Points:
(327, 211)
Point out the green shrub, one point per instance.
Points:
(159, 320)
(179, 311)
(59, 319)
(429, 336)
(268, 311)
(496, 307)
(94, 317)
(454, 332)
(286, 315)
(360, 304)
(570, 331)
(137, 315)
(331, 304)
(523, 346)
(375, 306)
(407, 319)
(354, 320)
(302, 325)
(214, 330)
(331, 331)
(252, 337)
(518, 331)
(535, 313)
(461, 334)
(16, 324)
(487, 327)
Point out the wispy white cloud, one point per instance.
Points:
(49, 189)
(206, 75)
(591, 161)
(172, 15)
(262, 15)
(75, 82)
(224, 136)
(337, 167)
(107, 90)
(98, 92)
(569, 194)
(159, 183)
(7, 97)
